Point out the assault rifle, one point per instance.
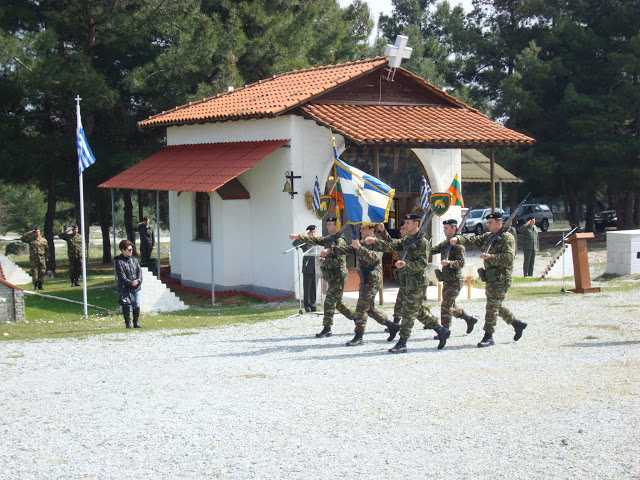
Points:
(505, 225)
(447, 248)
(424, 221)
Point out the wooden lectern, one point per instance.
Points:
(578, 243)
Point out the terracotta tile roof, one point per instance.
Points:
(194, 168)
(443, 126)
(266, 98)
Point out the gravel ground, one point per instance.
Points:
(269, 401)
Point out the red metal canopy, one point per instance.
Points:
(194, 168)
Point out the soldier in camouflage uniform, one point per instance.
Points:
(334, 272)
(370, 270)
(529, 246)
(497, 273)
(74, 251)
(38, 256)
(451, 277)
(147, 241)
(412, 274)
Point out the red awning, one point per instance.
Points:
(194, 168)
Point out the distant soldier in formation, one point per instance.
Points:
(451, 278)
(38, 256)
(498, 275)
(370, 271)
(74, 251)
(147, 241)
(308, 271)
(412, 274)
(334, 271)
(529, 246)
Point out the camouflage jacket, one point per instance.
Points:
(370, 260)
(38, 247)
(457, 255)
(414, 273)
(502, 251)
(334, 265)
(529, 238)
(146, 234)
(74, 244)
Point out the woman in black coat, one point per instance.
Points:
(129, 276)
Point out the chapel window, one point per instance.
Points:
(203, 216)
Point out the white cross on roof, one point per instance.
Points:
(398, 51)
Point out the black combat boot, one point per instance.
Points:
(518, 326)
(443, 334)
(401, 346)
(436, 336)
(395, 320)
(76, 284)
(326, 332)
(136, 316)
(393, 328)
(471, 322)
(40, 287)
(487, 340)
(126, 311)
(73, 282)
(35, 286)
(357, 340)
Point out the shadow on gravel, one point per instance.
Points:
(603, 344)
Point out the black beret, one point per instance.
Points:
(412, 216)
(451, 221)
(332, 219)
(311, 227)
(495, 216)
(529, 219)
(36, 228)
(145, 218)
(74, 226)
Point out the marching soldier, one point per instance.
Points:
(334, 271)
(38, 256)
(498, 275)
(451, 278)
(412, 274)
(370, 270)
(529, 246)
(74, 251)
(147, 241)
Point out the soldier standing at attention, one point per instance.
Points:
(497, 273)
(529, 246)
(334, 271)
(74, 251)
(147, 241)
(370, 270)
(451, 278)
(412, 274)
(38, 256)
(308, 272)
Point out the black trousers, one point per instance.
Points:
(309, 286)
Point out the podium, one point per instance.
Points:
(582, 278)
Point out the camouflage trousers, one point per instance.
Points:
(75, 268)
(333, 301)
(38, 269)
(414, 308)
(365, 306)
(529, 261)
(496, 292)
(448, 307)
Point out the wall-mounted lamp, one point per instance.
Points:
(288, 184)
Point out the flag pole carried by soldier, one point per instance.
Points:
(452, 261)
(370, 281)
(38, 256)
(498, 256)
(74, 251)
(147, 241)
(334, 272)
(412, 274)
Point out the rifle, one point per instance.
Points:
(505, 225)
(424, 221)
(447, 248)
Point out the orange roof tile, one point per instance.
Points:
(444, 126)
(266, 98)
(194, 168)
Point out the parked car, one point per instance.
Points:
(604, 219)
(542, 213)
(477, 222)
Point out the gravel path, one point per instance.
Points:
(269, 401)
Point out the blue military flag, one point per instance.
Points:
(85, 156)
(425, 191)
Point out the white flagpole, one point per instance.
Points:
(82, 229)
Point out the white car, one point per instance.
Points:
(477, 221)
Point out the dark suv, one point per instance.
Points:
(604, 219)
(542, 213)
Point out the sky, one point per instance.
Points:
(385, 6)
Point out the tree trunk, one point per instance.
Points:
(140, 205)
(48, 224)
(636, 209)
(570, 201)
(128, 218)
(105, 224)
(628, 210)
(590, 214)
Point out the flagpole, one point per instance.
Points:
(84, 258)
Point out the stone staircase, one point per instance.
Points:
(554, 269)
(156, 297)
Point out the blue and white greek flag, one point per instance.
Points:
(85, 156)
(366, 199)
(316, 195)
(425, 191)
